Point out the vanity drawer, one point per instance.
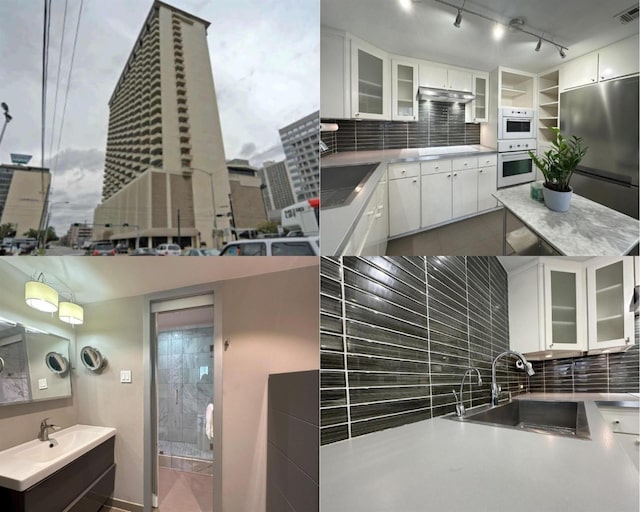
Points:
(487, 160)
(460, 164)
(435, 166)
(404, 170)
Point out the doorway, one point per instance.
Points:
(183, 397)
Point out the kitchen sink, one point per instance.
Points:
(540, 416)
(340, 184)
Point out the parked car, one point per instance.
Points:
(122, 248)
(101, 249)
(168, 250)
(192, 251)
(273, 247)
(144, 251)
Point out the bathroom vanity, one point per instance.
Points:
(74, 471)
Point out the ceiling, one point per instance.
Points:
(427, 31)
(99, 279)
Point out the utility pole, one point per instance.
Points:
(179, 237)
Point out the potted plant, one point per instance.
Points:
(557, 166)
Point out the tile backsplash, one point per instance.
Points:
(439, 124)
(397, 334)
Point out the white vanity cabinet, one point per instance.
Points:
(370, 91)
(547, 309)
(609, 292)
(404, 198)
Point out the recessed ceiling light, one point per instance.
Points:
(407, 5)
(498, 31)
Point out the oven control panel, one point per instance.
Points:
(516, 145)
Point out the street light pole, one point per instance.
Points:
(7, 118)
(213, 201)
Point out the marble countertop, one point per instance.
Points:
(439, 464)
(586, 229)
(336, 224)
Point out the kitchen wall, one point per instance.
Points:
(397, 334)
(20, 423)
(439, 124)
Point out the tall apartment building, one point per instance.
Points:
(165, 166)
(22, 193)
(301, 143)
(247, 201)
(278, 185)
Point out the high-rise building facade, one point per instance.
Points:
(247, 201)
(301, 143)
(79, 234)
(22, 193)
(278, 183)
(165, 157)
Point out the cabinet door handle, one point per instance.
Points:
(448, 175)
(403, 171)
(480, 170)
(602, 78)
(466, 163)
(371, 212)
(593, 79)
(378, 216)
(455, 174)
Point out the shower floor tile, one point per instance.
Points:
(180, 449)
(184, 492)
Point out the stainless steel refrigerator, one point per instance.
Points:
(605, 115)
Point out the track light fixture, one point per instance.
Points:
(498, 30)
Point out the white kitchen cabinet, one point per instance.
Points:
(464, 192)
(404, 205)
(547, 309)
(441, 77)
(487, 181)
(580, 71)
(369, 237)
(609, 292)
(477, 110)
(370, 91)
(625, 425)
(404, 91)
(436, 198)
(334, 75)
(619, 59)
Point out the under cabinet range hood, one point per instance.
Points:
(448, 95)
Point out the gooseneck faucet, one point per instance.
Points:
(44, 430)
(459, 402)
(495, 389)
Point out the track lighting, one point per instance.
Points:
(539, 45)
(458, 19)
(562, 54)
(498, 31)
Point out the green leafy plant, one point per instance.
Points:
(557, 164)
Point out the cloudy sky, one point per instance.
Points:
(265, 60)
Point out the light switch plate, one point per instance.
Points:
(42, 384)
(125, 376)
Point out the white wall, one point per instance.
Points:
(271, 322)
(115, 329)
(20, 423)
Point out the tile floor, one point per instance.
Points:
(477, 236)
(180, 491)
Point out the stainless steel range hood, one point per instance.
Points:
(448, 95)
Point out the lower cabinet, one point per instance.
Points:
(436, 198)
(464, 193)
(404, 205)
(625, 425)
(369, 237)
(487, 182)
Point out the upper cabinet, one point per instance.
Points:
(580, 71)
(370, 93)
(609, 290)
(404, 90)
(441, 77)
(477, 111)
(334, 75)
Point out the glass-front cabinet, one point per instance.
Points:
(564, 307)
(477, 110)
(404, 93)
(369, 82)
(610, 291)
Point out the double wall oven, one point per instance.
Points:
(516, 136)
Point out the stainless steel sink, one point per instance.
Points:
(340, 184)
(540, 416)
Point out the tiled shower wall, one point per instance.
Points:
(14, 380)
(185, 388)
(439, 124)
(604, 373)
(397, 334)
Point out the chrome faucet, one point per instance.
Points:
(459, 402)
(323, 146)
(495, 389)
(44, 430)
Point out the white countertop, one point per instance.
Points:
(586, 229)
(440, 464)
(336, 224)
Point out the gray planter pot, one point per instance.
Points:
(557, 201)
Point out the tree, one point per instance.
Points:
(32, 233)
(51, 234)
(7, 230)
(268, 227)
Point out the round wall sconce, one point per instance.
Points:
(71, 313)
(92, 359)
(41, 296)
(57, 363)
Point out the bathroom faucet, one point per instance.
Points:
(459, 402)
(44, 430)
(495, 389)
(323, 146)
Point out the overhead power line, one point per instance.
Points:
(55, 101)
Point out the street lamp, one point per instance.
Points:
(7, 118)
(186, 171)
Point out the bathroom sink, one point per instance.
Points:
(340, 184)
(540, 416)
(25, 465)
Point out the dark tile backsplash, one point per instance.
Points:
(439, 124)
(411, 328)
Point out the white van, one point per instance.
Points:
(273, 247)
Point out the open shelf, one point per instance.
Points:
(553, 88)
(555, 118)
(549, 104)
(508, 92)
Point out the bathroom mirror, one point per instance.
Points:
(92, 359)
(57, 363)
(26, 375)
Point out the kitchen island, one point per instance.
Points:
(439, 464)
